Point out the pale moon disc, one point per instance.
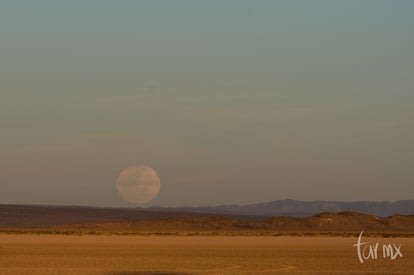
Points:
(138, 184)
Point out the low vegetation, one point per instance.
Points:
(325, 224)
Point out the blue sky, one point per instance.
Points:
(229, 101)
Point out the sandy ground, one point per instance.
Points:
(115, 255)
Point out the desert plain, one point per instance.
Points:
(158, 255)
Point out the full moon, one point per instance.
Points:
(138, 184)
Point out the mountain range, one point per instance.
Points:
(31, 216)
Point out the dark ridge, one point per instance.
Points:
(25, 216)
(41, 216)
(324, 222)
(294, 208)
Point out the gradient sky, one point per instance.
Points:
(229, 101)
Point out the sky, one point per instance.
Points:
(231, 102)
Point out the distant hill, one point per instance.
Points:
(296, 208)
(325, 222)
(28, 216)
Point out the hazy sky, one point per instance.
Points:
(229, 101)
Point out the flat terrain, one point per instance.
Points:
(117, 255)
